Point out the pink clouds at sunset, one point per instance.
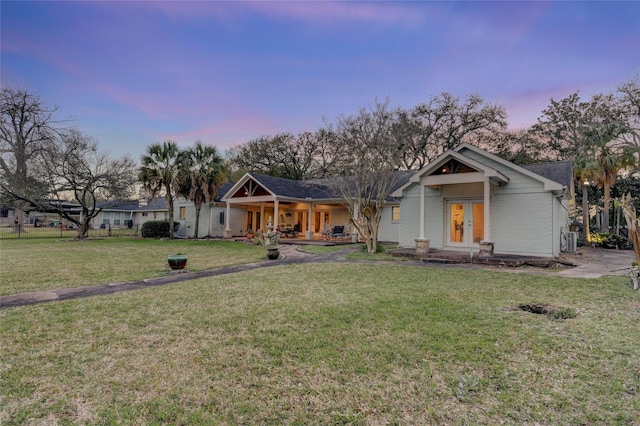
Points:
(134, 73)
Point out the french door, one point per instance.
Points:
(465, 227)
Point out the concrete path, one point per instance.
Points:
(597, 264)
(601, 263)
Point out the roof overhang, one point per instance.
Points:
(426, 176)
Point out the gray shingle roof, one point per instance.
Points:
(561, 171)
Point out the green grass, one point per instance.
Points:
(364, 343)
(44, 264)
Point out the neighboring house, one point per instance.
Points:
(130, 213)
(468, 195)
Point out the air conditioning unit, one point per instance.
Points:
(572, 242)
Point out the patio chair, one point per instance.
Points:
(292, 232)
(337, 232)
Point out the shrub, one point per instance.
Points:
(157, 229)
(610, 241)
(379, 248)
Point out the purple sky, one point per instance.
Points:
(134, 73)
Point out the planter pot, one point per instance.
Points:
(250, 236)
(177, 261)
(273, 253)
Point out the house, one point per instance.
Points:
(130, 213)
(309, 206)
(467, 196)
(212, 216)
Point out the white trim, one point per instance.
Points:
(549, 185)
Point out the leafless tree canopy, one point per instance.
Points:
(44, 163)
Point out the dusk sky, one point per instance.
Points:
(134, 73)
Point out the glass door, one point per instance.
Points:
(465, 226)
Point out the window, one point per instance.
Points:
(116, 218)
(106, 216)
(183, 212)
(145, 214)
(395, 214)
(221, 218)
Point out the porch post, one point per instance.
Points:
(227, 218)
(422, 189)
(261, 224)
(487, 210)
(275, 213)
(309, 234)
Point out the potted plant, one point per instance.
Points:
(250, 234)
(177, 261)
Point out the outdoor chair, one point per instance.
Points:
(292, 232)
(337, 232)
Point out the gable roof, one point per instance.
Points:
(316, 189)
(549, 184)
(556, 177)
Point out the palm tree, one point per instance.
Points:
(610, 156)
(159, 173)
(202, 175)
(584, 171)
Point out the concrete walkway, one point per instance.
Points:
(597, 264)
(602, 262)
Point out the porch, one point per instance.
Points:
(451, 256)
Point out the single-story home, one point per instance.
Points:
(130, 213)
(467, 196)
(464, 197)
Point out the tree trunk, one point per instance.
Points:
(83, 230)
(605, 212)
(196, 228)
(169, 199)
(585, 215)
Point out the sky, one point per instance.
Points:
(131, 74)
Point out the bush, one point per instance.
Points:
(379, 248)
(610, 241)
(157, 229)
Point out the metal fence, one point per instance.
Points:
(20, 231)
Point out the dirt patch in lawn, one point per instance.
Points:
(552, 312)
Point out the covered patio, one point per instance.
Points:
(299, 210)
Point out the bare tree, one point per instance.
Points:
(519, 147)
(443, 123)
(305, 156)
(27, 129)
(630, 100)
(76, 171)
(368, 173)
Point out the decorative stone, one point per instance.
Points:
(422, 246)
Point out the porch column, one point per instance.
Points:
(261, 224)
(309, 234)
(422, 189)
(275, 213)
(227, 218)
(487, 210)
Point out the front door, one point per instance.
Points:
(465, 226)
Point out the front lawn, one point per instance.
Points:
(46, 264)
(364, 343)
